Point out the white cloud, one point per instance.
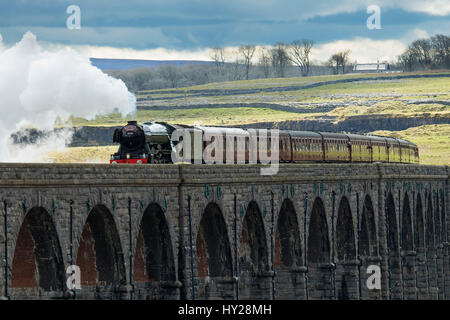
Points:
(361, 49)
(432, 7)
(148, 54)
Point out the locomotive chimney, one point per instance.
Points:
(132, 122)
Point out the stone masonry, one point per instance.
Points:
(313, 231)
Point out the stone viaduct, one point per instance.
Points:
(225, 231)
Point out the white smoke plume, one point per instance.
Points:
(39, 86)
(40, 149)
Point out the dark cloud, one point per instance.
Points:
(182, 24)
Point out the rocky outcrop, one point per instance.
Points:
(355, 124)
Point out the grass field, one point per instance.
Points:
(83, 155)
(412, 97)
(433, 142)
(205, 116)
(281, 82)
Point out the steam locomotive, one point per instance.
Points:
(152, 143)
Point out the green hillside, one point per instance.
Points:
(424, 96)
(220, 104)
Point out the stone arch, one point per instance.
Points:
(444, 249)
(392, 230)
(437, 222)
(429, 223)
(253, 255)
(392, 237)
(407, 247)
(346, 271)
(419, 245)
(100, 255)
(368, 235)
(438, 240)
(419, 231)
(368, 248)
(345, 235)
(318, 241)
(407, 241)
(430, 247)
(213, 253)
(288, 253)
(153, 259)
(37, 261)
(443, 218)
(318, 255)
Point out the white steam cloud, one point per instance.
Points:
(39, 86)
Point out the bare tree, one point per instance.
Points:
(407, 60)
(422, 50)
(264, 62)
(441, 50)
(247, 53)
(333, 62)
(339, 59)
(300, 52)
(427, 53)
(234, 70)
(218, 56)
(280, 58)
(169, 73)
(196, 74)
(344, 59)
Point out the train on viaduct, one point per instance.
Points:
(313, 231)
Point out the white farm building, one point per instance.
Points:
(371, 67)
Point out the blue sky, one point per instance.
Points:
(149, 27)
